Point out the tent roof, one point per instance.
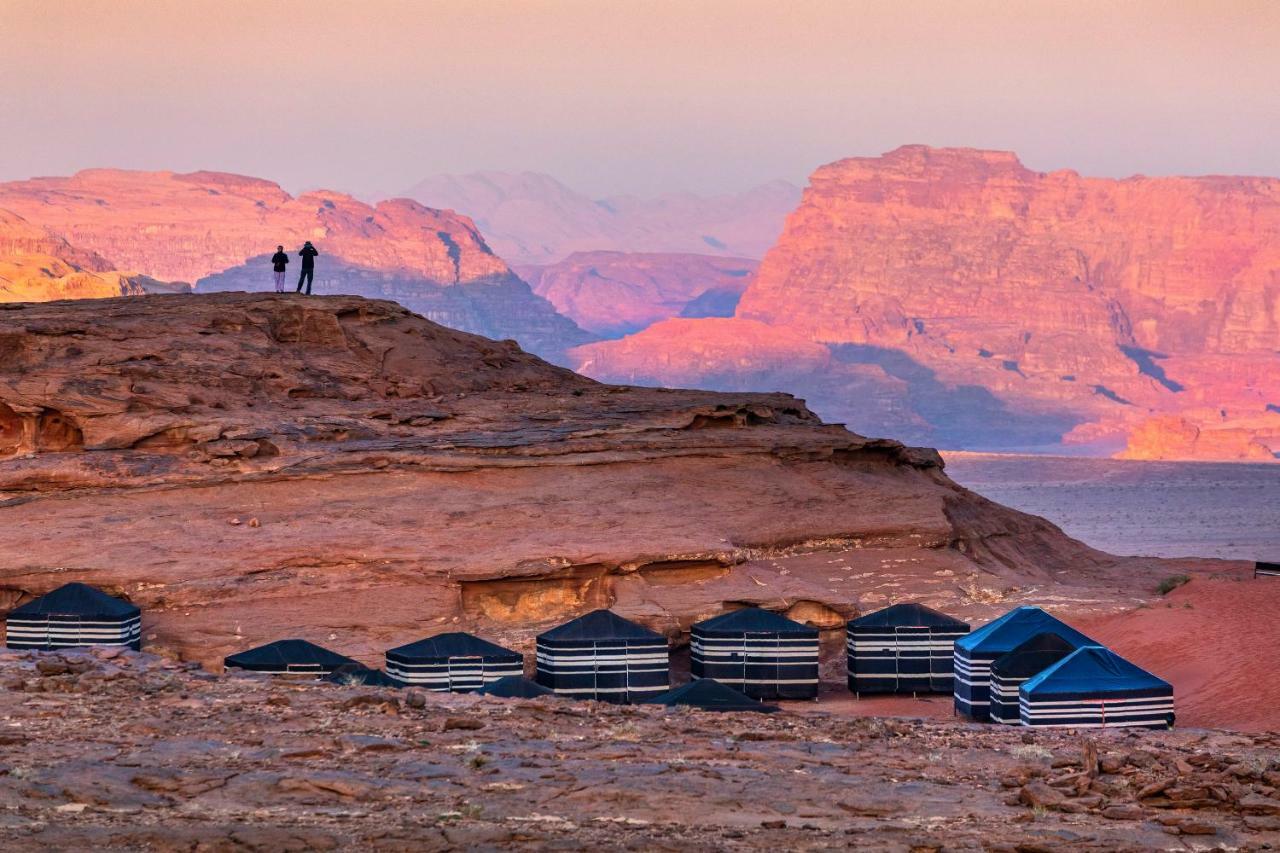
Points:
(356, 674)
(288, 652)
(600, 624)
(1016, 627)
(77, 599)
(515, 687)
(908, 615)
(752, 619)
(1092, 669)
(1034, 655)
(456, 644)
(710, 695)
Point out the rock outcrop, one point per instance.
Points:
(949, 283)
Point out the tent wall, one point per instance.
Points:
(1113, 709)
(1266, 570)
(458, 674)
(762, 665)
(610, 670)
(52, 632)
(901, 659)
(972, 682)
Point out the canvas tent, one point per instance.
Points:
(603, 656)
(906, 648)
(289, 657)
(74, 614)
(710, 695)
(975, 652)
(1095, 688)
(763, 654)
(1009, 671)
(350, 675)
(515, 687)
(1266, 570)
(455, 663)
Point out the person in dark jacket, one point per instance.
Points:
(308, 254)
(278, 262)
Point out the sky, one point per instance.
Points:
(631, 96)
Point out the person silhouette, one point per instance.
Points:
(308, 254)
(278, 262)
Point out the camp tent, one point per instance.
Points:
(974, 653)
(906, 648)
(456, 663)
(351, 675)
(289, 657)
(603, 656)
(763, 654)
(710, 695)
(1266, 570)
(1095, 688)
(1009, 671)
(74, 614)
(515, 687)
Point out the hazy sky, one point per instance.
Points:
(631, 95)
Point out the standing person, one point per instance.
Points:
(278, 262)
(308, 255)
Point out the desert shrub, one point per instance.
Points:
(1169, 584)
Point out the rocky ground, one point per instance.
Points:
(118, 750)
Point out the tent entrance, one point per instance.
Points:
(465, 673)
(760, 652)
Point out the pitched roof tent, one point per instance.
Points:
(77, 599)
(456, 662)
(599, 624)
(603, 656)
(1009, 671)
(763, 654)
(515, 687)
(74, 614)
(908, 614)
(457, 643)
(1094, 687)
(711, 695)
(753, 619)
(289, 657)
(904, 648)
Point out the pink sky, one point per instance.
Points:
(641, 97)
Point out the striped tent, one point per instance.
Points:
(74, 614)
(289, 657)
(1095, 688)
(514, 687)
(763, 654)
(974, 653)
(708, 694)
(603, 656)
(1008, 672)
(906, 648)
(454, 663)
(1266, 570)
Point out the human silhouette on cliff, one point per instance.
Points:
(308, 254)
(278, 262)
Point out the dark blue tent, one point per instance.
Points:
(974, 653)
(1267, 570)
(1009, 671)
(1095, 688)
(710, 695)
(603, 656)
(457, 662)
(763, 654)
(74, 614)
(514, 687)
(289, 657)
(905, 648)
(351, 675)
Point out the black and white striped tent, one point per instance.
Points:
(1008, 672)
(603, 656)
(289, 657)
(763, 654)
(974, 653)
(708, 694)
(906, 648)
(455, 663)
(1095, 688)
(1266, 570)
(74, 614)
(515, 687)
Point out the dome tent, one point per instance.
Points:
(905, 648)
(289, 657)
(514, 687)
(1095, 688)
(975, 652)
(603, 656)
(1009, 671)
(456, 662)
(74, 614)
(711, 695)
(763, 654)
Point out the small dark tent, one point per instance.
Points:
(974, 653)
(515, 687)
(603, 656)
(1266, 570)
(1095, 688)
(289, 657)
(351, 675)
(710, 695)
(455, 663)
(763, 654)
(1009, 671)
(906, 648)
(74, 614)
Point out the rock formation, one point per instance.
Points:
(616, 293)
(970, 301)
(531, 218)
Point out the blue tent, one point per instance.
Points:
(710, 695)
(1010, 671)
(605, 657)
(456, 662)
(74, 614)
(1095, 688)
(904, 648)
(975, 653)
(763, 654)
